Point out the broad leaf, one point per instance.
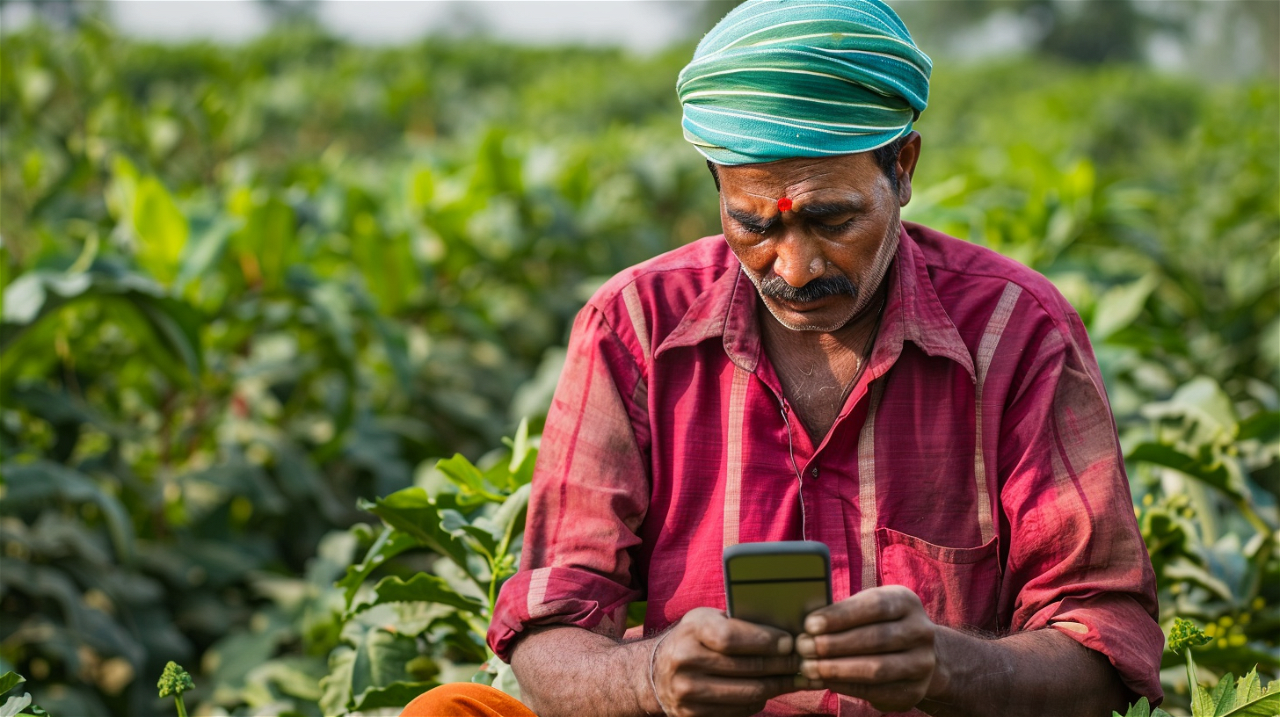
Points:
(15, 705)
(42, 482)
(1118, 307)
(425, 588)
(336, 686)
(390, 543)
(411, 511)
(1215, 472)
(396, 694)
(9, 680)
(1202, 704)
(1224, 695)
(162, 230)
(1141, 708)
(1266, 706)
(466, 476)
(1248, 689)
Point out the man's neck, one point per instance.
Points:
(817, 369)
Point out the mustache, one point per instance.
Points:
(777, 288)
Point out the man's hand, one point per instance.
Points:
(877, 645)
(715, 665)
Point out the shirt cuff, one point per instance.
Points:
(1118, 627)
(557, 596)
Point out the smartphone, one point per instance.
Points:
(777, 583)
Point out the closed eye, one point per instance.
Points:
(829, 227)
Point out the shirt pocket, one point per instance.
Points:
(958, 586)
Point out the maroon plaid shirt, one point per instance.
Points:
(975, 461)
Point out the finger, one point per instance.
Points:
(873, 639)
(728, 636)
(707, 661)
(872, 669)
(729, 691)
(878, 604)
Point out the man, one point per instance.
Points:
(930, 411)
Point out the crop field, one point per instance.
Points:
(281, 321)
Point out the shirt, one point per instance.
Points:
(975, 460)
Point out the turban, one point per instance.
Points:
(802, 78)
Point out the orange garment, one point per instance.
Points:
(466, 699)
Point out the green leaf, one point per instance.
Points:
(389, 544)
(1248, 689)
(1266, 706)
(519, 447)
(1201, 400)
(335, 687)
(9, 680)
(411, 511)
(15, 705)
(38, 292)
(161, 228)
(510, 518)
(201, 255)
(1224, 695)
(1202, 704)
(175, 323)
(1141, 708)
(425, 588)
(41, 482)
(380, 660)
(1214, 473)
(466, 476)
(1120, 306)
(396, 694)
(1264, 426)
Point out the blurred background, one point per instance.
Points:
(265, 259)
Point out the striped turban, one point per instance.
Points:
(802, 78)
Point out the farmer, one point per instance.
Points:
(929, 410)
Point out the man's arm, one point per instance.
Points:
(706, 664)
(880, 646)
(1041, 672)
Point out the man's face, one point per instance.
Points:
(819, 264)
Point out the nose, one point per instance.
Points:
(798, 261)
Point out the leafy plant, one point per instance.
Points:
(17, 705)
(1245, 697)
(174, 681)
(245, 288)
(430, 624)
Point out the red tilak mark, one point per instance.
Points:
(784, 204)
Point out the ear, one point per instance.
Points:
(907, 158)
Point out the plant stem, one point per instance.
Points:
(182, 708)
(1192, 681)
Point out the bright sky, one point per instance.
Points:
(642, 25)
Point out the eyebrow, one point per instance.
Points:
(822, 210)
(751, 220)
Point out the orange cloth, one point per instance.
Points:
(466, 699)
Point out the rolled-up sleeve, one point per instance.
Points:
(590, 494)
(1076, 559)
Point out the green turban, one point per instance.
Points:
(802, 78)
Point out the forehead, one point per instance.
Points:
(802, 177)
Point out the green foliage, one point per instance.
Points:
(17, 705)
(174, 681)
(252, 295)
(398, 631)
(1245, 697)
(1184, 635)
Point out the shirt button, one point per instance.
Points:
(814, 472)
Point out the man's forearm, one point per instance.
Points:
(572, 671)
(1040, 673)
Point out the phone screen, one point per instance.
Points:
(777, 583)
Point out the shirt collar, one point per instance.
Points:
(912, 312)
